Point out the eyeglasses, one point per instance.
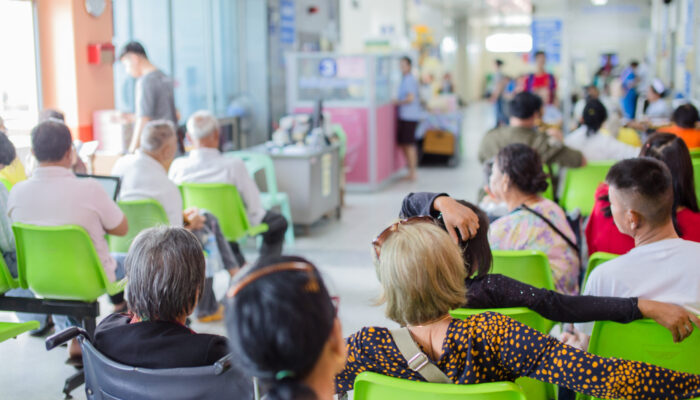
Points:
(379, 241)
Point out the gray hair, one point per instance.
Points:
(156, 134)
(202, 124)
(165, 267)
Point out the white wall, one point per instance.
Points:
(365, 19)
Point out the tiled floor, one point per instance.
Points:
(341, 249)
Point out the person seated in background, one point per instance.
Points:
(657, 112)
(601, 232)
(206, 164)
(421, 271)
(165, 266)
(14, 171)
(661, 266)
(7, 242)
(685, 120)
(290, 338)
(77, 165)
(525, 109)
(589, 140)
(532, 222)
(144, 175)
(486, 290)
(55, 196)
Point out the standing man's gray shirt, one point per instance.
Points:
(155, 97)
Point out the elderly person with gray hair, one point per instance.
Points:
(165, 266)
(206, 164)
(144, 175)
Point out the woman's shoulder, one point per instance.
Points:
(689, 223)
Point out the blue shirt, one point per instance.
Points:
(413, 110)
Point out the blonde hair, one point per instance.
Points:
(422, 274)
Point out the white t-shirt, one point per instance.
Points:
(145, 178)
(666, 271)
(207, 165)
(599, 146)
(55, 196)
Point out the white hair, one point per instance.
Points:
(202, 124)
(156, 134)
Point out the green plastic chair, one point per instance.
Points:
(224, 201)
(696, 176)
(645, 340)
(533, 388)
(595, 260)
(580, 185)
(373, 386)
(141, 215)
(8, 184)
(10, 330)
(256, 161)
(60, 262)
(342, 140)
(695, 153)
(549, 192)
(529, 266)
(7, 282)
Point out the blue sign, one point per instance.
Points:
(287, 21)
(547, 37)
(327, 68)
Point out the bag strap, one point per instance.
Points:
(551, 225)
(417, 360)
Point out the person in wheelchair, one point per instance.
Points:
(165, 266)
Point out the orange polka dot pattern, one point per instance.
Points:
(491, 347)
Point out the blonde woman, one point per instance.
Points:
(422, 276)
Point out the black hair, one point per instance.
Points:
(477, 251)
(133, 48)
(499, 62)
(540, 53)
(278, 326)
(51, 140)
(524, 105)
(407, 59)
(523, 166)
(650, 179)
(594, 115)
(50, 113)
(685, 116)
(7, 150)
(634, 63)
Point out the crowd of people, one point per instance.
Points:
(282, 323)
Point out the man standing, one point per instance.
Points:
(410, 112)
(630, 80)
(155, 98)
(542, 83)
(500, 82)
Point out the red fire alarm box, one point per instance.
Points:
(101, 53)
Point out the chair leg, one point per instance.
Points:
(73, 382)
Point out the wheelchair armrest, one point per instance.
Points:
(59, 338)
(223, 365)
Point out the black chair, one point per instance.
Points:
(109, 380)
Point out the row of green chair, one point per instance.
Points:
(11, 329)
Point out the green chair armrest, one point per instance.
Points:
(116, 287)
(258, 229)
(9, 330)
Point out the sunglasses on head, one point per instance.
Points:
(379, 240)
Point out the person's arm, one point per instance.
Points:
(136, 136)
(407, 100)
(523, 351)
(457, 218)
(355, 363)
(421, 203)
(119, 230)
(7, 238)
(111, 216)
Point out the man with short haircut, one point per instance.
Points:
(206, 164)
(662, 266)
(144, 175)
(525, 109)
(155, 98)
(54, 196)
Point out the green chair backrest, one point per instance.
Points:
(529, 266)
(373, 386)
(222, 200)
(549, 192)
(595, 260)
(534, 389)
(8, 184)
(645, 340)
(256, 161)
(343, 140)
(141, 215)
(580, 185)
(695, 153)
(7, 282)
(696, 176)
(59, 262)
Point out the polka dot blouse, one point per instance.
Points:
(491, 347)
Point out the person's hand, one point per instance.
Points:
(555, 133)
(673, 317)
(194, 221)
(457, 218)
(575, 339)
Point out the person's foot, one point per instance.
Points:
(44, 329)
(217, 316)
(75, 354)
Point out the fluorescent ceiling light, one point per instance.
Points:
(599, 2)
(448, 44)
(509, 43)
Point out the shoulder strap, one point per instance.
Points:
(551, 225)
(417, 360)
